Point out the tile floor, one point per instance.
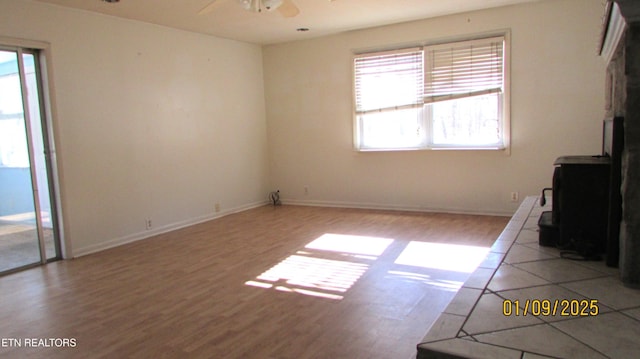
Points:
(474, 324)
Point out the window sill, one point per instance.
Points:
(452, 148)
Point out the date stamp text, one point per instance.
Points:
(551, 307)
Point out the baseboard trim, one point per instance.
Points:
(388, 207)
(115, 242)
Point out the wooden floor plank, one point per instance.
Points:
(184, 293)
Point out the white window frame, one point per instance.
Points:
(425, 122)
(408, 61)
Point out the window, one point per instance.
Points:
(440, 96)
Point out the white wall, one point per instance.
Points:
(557, 102)
(150, 122)
(158, 123)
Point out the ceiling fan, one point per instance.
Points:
(286, 8)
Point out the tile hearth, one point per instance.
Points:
(474, 324)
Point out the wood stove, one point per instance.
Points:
(585, 214)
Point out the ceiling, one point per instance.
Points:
(321, 17)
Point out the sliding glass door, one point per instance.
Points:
(28, 234)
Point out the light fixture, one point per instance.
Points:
(246, 4)
(258, 5)
(271, 4)
(111, 1)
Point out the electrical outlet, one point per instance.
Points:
(514, 196)
(217, 207)
(306, 190)
(148, 223)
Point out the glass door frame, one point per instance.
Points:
(41, 54)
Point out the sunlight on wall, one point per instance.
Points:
(449, 257)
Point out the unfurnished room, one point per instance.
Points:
(319, 179)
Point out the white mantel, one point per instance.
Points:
(614, 26)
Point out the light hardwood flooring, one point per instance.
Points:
(283, 282)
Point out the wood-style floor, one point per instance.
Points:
(283, 282)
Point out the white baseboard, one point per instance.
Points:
(115, 242)
(390, 207)
(211, 216)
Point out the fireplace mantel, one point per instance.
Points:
(613, 29)
(618, 14)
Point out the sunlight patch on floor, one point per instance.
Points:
(311, 276)
(443, 256)
(308, 272)
(318, 273)
(331, 264)
(343, 243)
(312, 293)
(445, 284)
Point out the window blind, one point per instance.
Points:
(464, 69)
(389, 81)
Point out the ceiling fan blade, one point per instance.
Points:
(288, 9)
(209, 8)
